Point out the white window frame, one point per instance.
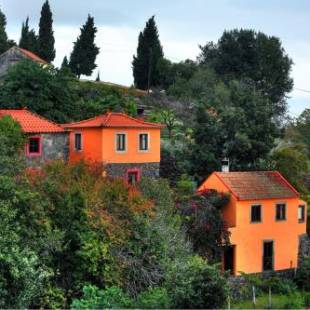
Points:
(116, 135)
(304, 213)
(148, 142)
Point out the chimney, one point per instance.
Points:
(225, 164)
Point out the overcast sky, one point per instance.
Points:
(182, 24)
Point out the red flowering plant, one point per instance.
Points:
(203, 220)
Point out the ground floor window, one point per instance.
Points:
(133, 176)
(229, 259)
(34, 146)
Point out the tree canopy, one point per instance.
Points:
(46, 39)
(149, 53)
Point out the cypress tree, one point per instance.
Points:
(85, 51)
(149, 52)
(65, 63)
(28, 39)
(3, 36)
(46, 39)
(98, 77)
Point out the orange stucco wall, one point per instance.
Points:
(98, 145)
(91, 145)
(132, 153)
(229, 211)
(248, 237)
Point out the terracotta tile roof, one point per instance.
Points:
(116, 120)
(26, 53)
(255, 185)
(32, 55)
(32, 123)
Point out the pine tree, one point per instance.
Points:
(149, 52)
(46, 39)
(28, 39)
(3, 36)
(85, 51)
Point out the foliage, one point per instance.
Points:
(154, 298)
(93, 298)
(202, 217)
(4, 45)
(194, 284)
(291, 160)
(46, 39)
(28, 39)
(303, 275)
(85, 51)
(45, 91)
(246, 54)
(149, 53)
(11, 145)
(303, 128)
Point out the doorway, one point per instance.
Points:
(229, 259)
(268, 255)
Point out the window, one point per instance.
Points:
(301, 213)
(280, 212)
(256, 213)
(78, 141)
(143, 142)
(133, 176)
(120, 142)
(34, 146)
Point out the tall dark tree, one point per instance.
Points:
(149, 53)
(65, 63)
(3, 36)
(46, 39)
(246, 54)
(85, 51)
(28, 39)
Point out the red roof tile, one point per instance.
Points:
(253, 185)
(116, 120)
(32, 55)
(32, 123)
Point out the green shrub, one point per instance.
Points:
(307, 299)
(94, 298)
(195, 284)
(154, 298)
(279, 286)
(293, 301)
(303, 275)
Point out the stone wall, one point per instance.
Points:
(8, 59)
(120, 170)
(304, 247)
(55, 146)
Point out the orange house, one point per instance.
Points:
(266, 219)
(125, 146)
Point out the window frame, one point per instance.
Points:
(133, 170)
(125, 142)
(148, 142)
(261, 213)
(303, 219)
(34, 154)
(81, 142)
(276, 212)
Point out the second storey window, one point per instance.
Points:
(256, 213)
(301, 213)
(120, 142)
(34, 146)
(78, 141)
(280, 212)
(143, 142)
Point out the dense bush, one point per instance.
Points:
(193, 284)
(154, 298)
(303, 275)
